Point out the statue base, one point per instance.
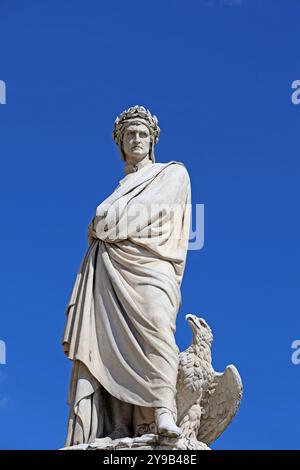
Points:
(145, 442)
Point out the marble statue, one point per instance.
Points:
(207, 401)
(129, 379)
(122, 312)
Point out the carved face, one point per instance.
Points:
(136, 142)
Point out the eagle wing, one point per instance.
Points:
(221, 406)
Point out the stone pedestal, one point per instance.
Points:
(145, 442)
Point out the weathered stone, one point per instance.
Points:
(146, 442)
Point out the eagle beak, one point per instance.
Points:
(190, 319)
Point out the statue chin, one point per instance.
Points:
(136, 164)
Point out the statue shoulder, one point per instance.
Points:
(178, 169)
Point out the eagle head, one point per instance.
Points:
(201, 330)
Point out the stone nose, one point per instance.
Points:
(136, 137)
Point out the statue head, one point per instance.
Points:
(136, 132)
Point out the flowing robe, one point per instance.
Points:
(121, 317)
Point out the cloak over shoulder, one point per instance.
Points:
(122, 312)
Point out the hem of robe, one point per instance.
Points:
(86, 420)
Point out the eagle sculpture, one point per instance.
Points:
(207, 401)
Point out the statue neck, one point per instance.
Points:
(133, 167)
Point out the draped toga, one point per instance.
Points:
(121, 317)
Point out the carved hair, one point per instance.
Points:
(136, 115)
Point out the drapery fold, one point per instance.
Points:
(121, 316)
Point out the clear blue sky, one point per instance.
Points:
(218, 74)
